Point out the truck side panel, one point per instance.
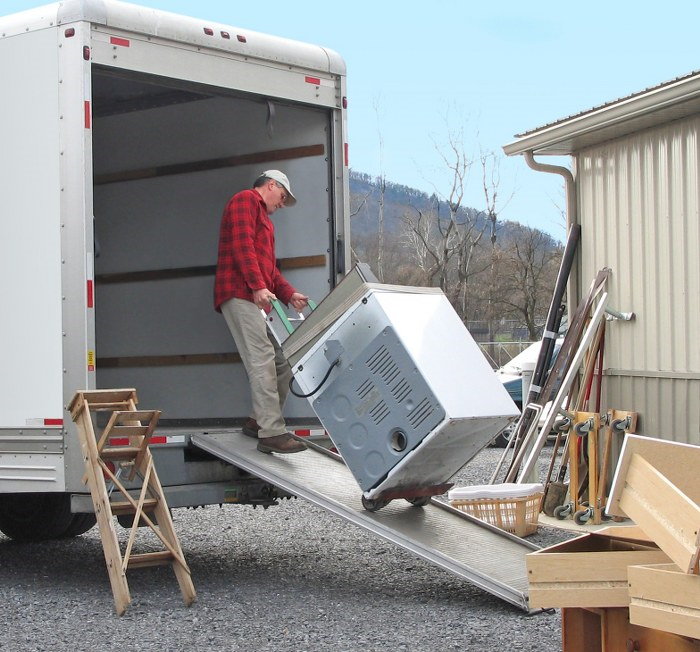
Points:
(30, 236)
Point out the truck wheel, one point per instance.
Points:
(35, 516)
(80, 524)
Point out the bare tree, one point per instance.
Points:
(444, 247)
(527, 272)
(359, 204)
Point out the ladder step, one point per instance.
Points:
(151, 559)
(120, 507)
(120, 453)
(105, 405)
(134, 415)
(108, 395)
(128, 431)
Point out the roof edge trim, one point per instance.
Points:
(607, 116)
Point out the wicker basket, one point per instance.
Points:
(515, 515)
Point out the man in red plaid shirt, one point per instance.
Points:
(247, 279)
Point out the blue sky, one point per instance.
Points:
(420, 71)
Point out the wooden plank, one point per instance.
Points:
(589, 566)
(579, 594)
(98, 397)
(144, 559)
(620, 634)
(168, 360)
(103, 514)
(120, 452)
(127, 431)
(300, 262)
(121, 417)
(580, 631)
(139, 276)
(662, 510)
(211, 164)
(626, 532)
(120, 507)
(678, 462)
(663, 597)
(180, 567)
(589, 571)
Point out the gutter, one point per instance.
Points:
(571, 210)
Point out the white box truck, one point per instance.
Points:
(123, 132)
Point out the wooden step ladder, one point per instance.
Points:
(105, 465)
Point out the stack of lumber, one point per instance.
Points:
(632, 587)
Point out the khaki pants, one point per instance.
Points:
(268, 370)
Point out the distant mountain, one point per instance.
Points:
(366, 195)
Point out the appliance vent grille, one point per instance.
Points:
(379, 412)
(401, 390)
(365, 388)
(382, 364)
(420, 413)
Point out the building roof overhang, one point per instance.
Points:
(661, 104)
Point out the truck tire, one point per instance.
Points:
(80, 524)
(35, 516)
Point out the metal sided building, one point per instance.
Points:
(635, 190)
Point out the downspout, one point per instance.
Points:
(571, 212)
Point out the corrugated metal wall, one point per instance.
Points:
(639, 203)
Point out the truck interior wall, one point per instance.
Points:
(171, 222)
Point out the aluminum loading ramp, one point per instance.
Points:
(490, 558)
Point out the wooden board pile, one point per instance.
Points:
(635, 588)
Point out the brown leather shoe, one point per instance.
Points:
(251, 428)
(284, 443)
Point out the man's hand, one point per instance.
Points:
(299, 301)
(262, 298)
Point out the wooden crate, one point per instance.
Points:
(657, 485)
(610, 630)
(588, 571)
(663, 597)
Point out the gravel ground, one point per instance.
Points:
(289, 578)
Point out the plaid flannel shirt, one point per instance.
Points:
(247, 252)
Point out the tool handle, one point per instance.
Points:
(282, 313)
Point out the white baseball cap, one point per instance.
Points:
(281, 178)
